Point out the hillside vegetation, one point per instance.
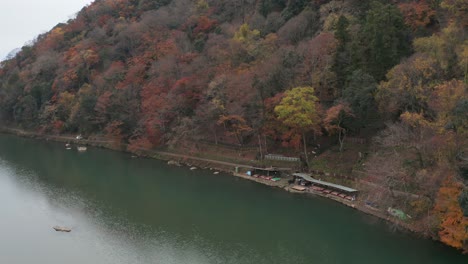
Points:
(277, 74)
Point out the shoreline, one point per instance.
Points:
(221, 166)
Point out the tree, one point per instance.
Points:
(409, 85)
(417, 14)
(335, 119)
(245, 35)
(457, 10)
(453, 225)
(245, 44)
(102, 107)
(25, 111)
(463, 201)
(359, 93)
(298, 27)
(82, 113)
(235, 125)
(267, 6)
(385, 37)
(449, 48)
(449, 101)
(318, 56)
(299, 110)
(342, 60)
(404, 160)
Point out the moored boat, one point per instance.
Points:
(61, 229)
(81, 149)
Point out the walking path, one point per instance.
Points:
(104, 143)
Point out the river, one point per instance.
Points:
(125, 210)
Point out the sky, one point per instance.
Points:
(22, 20)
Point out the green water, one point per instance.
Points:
(125, 210)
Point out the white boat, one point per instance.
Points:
(81, 149)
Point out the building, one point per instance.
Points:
(326, 187)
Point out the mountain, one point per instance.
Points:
(279, 73)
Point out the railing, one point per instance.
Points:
(281, 158)
(334, 175)
(356, 140)
(228, 145)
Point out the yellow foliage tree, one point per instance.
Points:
(245, 35)
(299, 110)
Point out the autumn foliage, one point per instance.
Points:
(279, 74)
(454, 225)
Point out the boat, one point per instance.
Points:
(81, 149)
(298, 188)
(173, 162)
(61, 229)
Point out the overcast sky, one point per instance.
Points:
(22, 20)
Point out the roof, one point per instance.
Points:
(272, 169)
(307, 177)
(304, 176)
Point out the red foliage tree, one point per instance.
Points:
(417, 14)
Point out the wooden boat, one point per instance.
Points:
(81, 149)
(298, 188)
(61, 229)
(173, 162)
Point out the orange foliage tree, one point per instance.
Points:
(453, 229)
(235, 125)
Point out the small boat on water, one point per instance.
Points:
(82, 149)
(61, 229)
(298, 188)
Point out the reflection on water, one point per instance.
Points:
(125, 210)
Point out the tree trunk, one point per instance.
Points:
(239, 138)
(341, 138)
(215, 136)
(305, 149)
(260, 146)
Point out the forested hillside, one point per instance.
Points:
(154, 73)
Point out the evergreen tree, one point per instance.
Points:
(384, 39)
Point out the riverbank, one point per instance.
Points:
(216, 165)
(146, 212)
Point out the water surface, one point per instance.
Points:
(125, 210)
